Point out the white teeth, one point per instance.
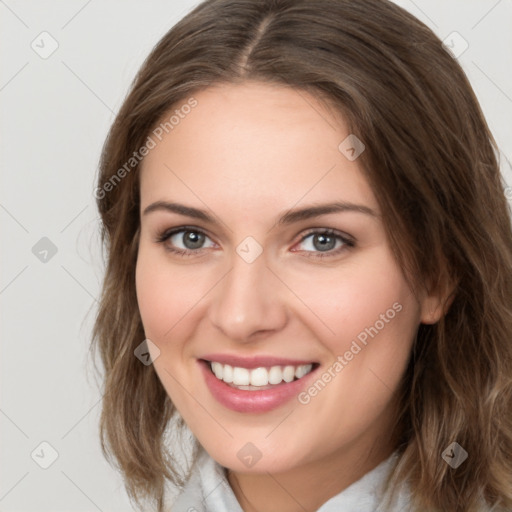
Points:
(240, 376)
(217, 369)
(227, 373)
(275, 375)
(288, 373)
(302, 370)
(258, 377)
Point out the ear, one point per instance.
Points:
(437, 301)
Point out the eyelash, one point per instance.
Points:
(348, 243)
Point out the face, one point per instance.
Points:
(306, 317)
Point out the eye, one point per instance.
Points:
(191, 239)
(322, 242)
(326, 241)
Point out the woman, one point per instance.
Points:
(308, 238)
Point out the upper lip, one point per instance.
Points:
(255, 361)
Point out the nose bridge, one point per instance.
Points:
(246, 301)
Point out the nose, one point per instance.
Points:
(249, 301)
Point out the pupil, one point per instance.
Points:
(327, 242)
(193, 240)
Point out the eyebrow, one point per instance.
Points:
(289, 217)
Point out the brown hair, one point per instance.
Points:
(431, 161)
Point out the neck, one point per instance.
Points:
(306, 487)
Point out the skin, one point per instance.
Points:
(248, 153)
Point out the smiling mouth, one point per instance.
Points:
(257, 379)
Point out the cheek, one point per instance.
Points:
(166, 300)
(161, 299)
(376, 319)
(351, 300)
(152, 295)
(168, 296)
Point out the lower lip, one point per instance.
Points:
(241, 400)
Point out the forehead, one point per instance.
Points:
(254, 143)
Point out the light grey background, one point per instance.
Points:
(55, 114)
